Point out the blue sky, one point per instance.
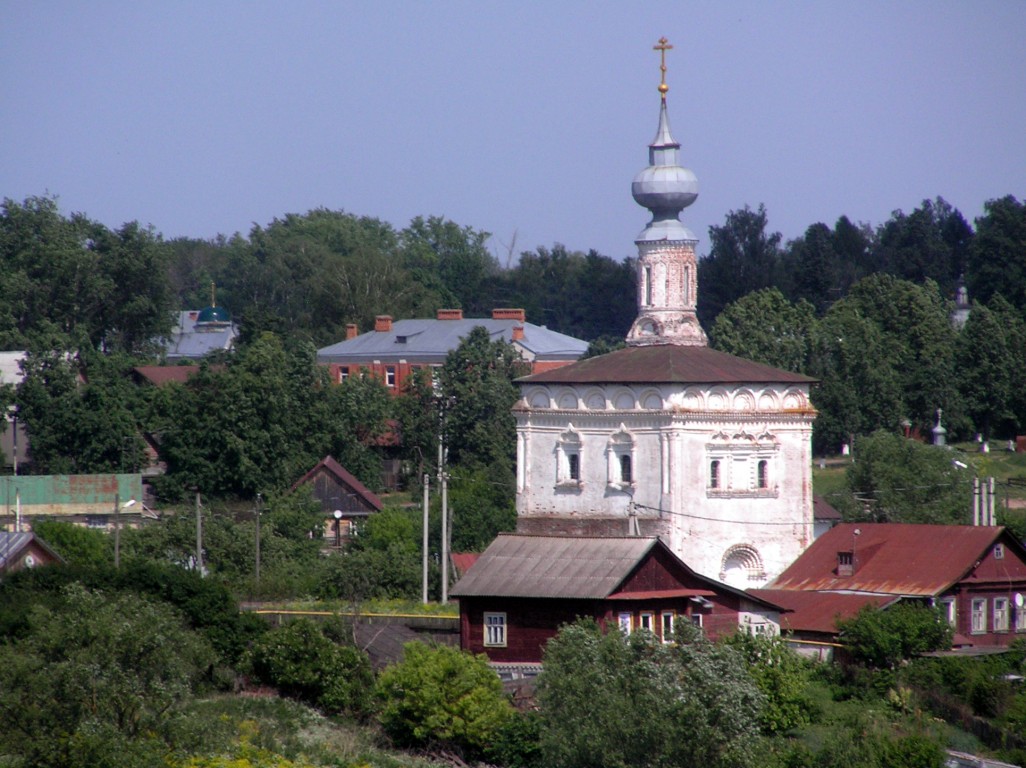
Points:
(527, 120)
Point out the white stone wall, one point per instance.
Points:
(744, 531)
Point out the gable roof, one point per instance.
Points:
(194, 338)
(13, 544)
(158, 375)
(574, 567)
(892, 558)
(343, 476)
(431, 340)
(666, 363)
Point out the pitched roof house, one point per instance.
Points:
(518, 593)
(394, 349)
(976, 574)
(338, 490)
(24, 550)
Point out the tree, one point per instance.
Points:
(765, 327)
(742, 258)
(997, 257)
(882, 638)
(436, 249)
(899, 480)
(95, 676)
(303, 663)
(76, 544)
(781, 676)
(931, 243)
(989, 358)
(614, 701)
(442, 697)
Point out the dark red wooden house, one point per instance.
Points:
(524, 587)
(975, 574)
(338, 490)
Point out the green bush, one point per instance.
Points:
(882, 638)
(301, 662)
(442, 697)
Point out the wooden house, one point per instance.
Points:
(339, 491)
(975, 574)
(519, 592)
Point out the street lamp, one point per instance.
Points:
(338, 528)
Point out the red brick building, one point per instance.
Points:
(396, 348)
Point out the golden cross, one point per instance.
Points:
(663, 47)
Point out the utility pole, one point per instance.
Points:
(259, 504)
(199, 536)
(117, 530)
(424, 576)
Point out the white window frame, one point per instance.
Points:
(625, 620)
(715, 474)
(696, 619)
(947, 606)
(343, 373)
(569, 444)
(620, 448)
(666, 621)
(999, 551)
(494, 629)
(647, 621)
(1000, 614)
(979, 615)
(390, 376)
(1020, 619)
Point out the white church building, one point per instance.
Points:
(668, 437)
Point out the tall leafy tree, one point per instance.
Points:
(991, 353)
(997, 258)
(931, 243)
(765, 327)
(436, 249)
(743, 257)
(898, 480)
(609, 700)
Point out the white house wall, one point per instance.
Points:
(739, 532)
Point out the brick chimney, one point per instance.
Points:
(352, 331)
(383, 323)
(518, 333)
(508, 313)
(450, 314)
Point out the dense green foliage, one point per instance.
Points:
(94, 676)
(782, 678)
(882, 638)
(904, 481)
(609, 701)
(442, 697)
(303, 663)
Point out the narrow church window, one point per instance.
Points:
(714, 473)
(763, 473)
(648, 286)
(574, 460)
(625, 470)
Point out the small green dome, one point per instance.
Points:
(214, 314)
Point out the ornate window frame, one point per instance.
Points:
(742, 465)
(569, 459)
(620, 460)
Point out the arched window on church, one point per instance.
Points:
(648, 286)
(568, 459)
(741, 566)
(620, 459)
(714, 473)
(763, 474)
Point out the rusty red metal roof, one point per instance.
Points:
(891, 558)
(159, 375)
(818, 611)
(666, 363)
(461, 561)
(822, 510)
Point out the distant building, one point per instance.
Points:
(14, 441)
(396, 348)
(201, 332)
(338, 490)
(962, 304)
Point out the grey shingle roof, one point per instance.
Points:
(430, 340)
(191, 342)
(553, 566)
